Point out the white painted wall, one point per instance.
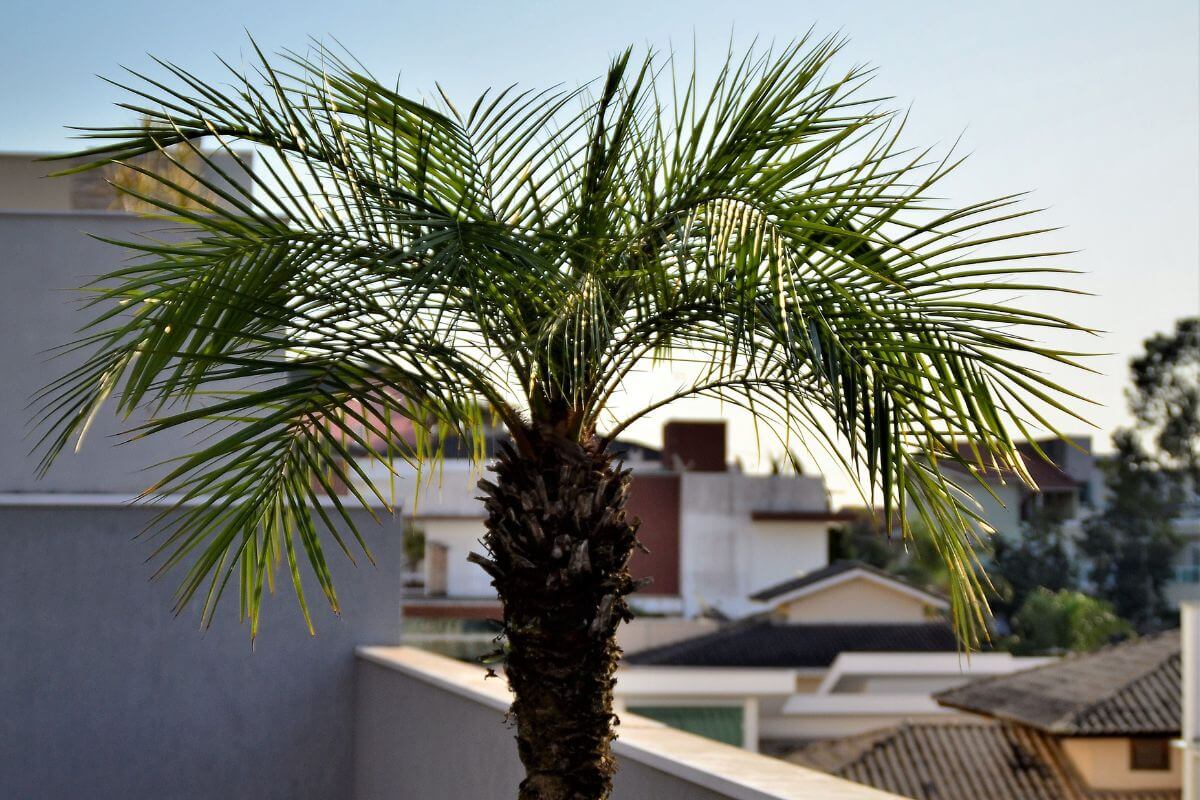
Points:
(857, 693)
(447, 490)
(460, 537)
(726, 556)
(825, 716)
(1190, 739)
(782, 549)
(460, 712)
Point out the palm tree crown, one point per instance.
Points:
(394, 259)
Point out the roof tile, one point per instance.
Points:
(1126, 689)
(952, 760)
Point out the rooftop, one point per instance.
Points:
(944, 760)
(1049, 477)
(842, 570)
(1125, 689)
(760, 642)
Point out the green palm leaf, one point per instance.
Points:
(528, 255)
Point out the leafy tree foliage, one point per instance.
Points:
(1064, 621)
(914, 558)
(1038, 560)
(1165, 397)
(861, 540)
(1131, 545)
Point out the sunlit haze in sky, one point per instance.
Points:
(1094, 106)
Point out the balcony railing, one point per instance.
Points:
(428, 726)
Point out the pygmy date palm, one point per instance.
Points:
(399, 260)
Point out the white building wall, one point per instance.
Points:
(459, 537)
(1190, 716)
(709, 556)
(725, 555)
(442, 501)
(782, 549)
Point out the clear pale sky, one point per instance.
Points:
(1095, 106)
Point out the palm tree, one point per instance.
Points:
(407, 261)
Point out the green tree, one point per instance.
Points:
(914, 557)
(1065, 621)
(529, 251)
(1131, 545)
(862, 540)
(412, 542)
(1165, 397)
(1038, 560)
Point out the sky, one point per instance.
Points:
(1092, 106)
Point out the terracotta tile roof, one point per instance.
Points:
(765, 643)
(832, 571)
(952, 760)
(1127, 689)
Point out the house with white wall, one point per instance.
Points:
(715, 535)
(842, 650)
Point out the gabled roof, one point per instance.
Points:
(1128, 689)
(839, 572)
(1048, 477)
(950, 760)
(761, 642)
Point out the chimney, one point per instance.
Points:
(698, 446)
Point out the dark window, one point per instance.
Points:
(1149, 754)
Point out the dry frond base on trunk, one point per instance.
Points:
(560, 544)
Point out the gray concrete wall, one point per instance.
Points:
(44, 259)
(105, 694)
(414, 740)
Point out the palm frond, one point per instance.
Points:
(529, 252)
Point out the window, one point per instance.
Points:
(1147, 754)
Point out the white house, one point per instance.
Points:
(839, 651)
(715, 534)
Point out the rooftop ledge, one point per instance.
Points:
(722, 769)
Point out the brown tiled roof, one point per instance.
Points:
(947, 761)
(1128, 689)
(952, 760)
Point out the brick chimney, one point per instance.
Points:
(694, 445)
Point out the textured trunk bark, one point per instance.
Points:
(560, 545)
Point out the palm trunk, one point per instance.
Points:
(560, 545)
